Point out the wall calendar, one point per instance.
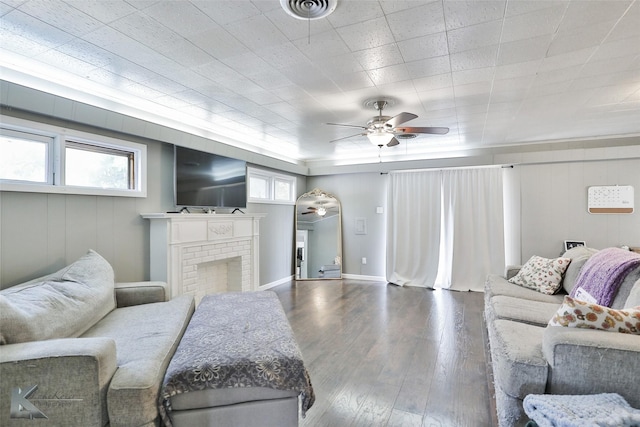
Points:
(610, 199)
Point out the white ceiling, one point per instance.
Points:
(497, 73)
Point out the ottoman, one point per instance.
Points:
(237, 364)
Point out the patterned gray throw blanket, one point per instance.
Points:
(238, 339)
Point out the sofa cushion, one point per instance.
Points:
(63, 304)
(498, 285)
(574, 313)
(542, 274)
(633, 300)
(579, 255)
(520, 310)
(143, 353)
(518, 364)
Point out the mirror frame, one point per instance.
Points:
(319, 194)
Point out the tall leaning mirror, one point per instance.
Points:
(318, 236)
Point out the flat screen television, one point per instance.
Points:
(208, 180)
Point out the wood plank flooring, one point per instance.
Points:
(381, 355)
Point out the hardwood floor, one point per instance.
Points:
(381, 355)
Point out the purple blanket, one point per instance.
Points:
(603, 273)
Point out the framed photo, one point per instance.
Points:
(569, 244)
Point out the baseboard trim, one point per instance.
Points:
(361, 277)
(276, 283)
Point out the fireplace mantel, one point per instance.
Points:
(181, 243)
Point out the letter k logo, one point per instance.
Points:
(21, 407)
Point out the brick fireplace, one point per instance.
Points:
(199, 254)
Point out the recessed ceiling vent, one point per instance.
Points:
(309, 9)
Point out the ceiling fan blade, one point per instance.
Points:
(432, 130)
(399, 119)
(349, 126)
(350, 136)
(393, 142)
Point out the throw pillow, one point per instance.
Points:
(542, 274)
(63, 304)
(574, 313)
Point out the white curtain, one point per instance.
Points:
(413, 228)
(464, 235)
(473, 210)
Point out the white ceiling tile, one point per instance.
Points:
(366, 35)
(391, 74)
(217, 42)
(579, 38)
(475, 58)
(424, 47)
(342, 64)
(429, 67)
(524, 50)
(417, 22)
(616, 48)
(61, 15)
(354, 12)
(474, 36)
(146, 30)
(28, 27)
(227, 11)
(458, 13)
(585, 13)
(282, 55)
(297, 29)
(517, 69)
(104, 11)
(181, 17)
(565, 60)
(256, 32)
(627, 25)
(325, 45)
(433, 82)
(378, 57)
(472, 76)
(537, 23)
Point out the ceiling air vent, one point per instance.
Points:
(309, 9)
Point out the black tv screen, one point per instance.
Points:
(209, 180)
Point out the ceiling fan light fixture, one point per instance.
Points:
(321, 211)
(380, 137)
(309, 9)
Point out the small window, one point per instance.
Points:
(88, 165)
(271, 187)
(40, 158)
(24, 157)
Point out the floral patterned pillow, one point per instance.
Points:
(542, 274)
(574, 313)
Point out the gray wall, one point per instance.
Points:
(553, 205)
(359, 195)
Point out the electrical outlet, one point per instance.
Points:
(364, 260)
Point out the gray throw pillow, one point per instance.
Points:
(63, 304)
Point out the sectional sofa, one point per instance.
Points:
(542, 342)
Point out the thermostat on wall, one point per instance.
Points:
(610, 199)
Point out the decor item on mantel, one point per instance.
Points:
(199, 254)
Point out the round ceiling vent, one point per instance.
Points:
(309, 9)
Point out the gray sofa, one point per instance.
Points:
(82, 350)
(530, 357)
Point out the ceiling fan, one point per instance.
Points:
(320, 211)
(385, 130)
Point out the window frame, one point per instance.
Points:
(271, 177)
(56, 160)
